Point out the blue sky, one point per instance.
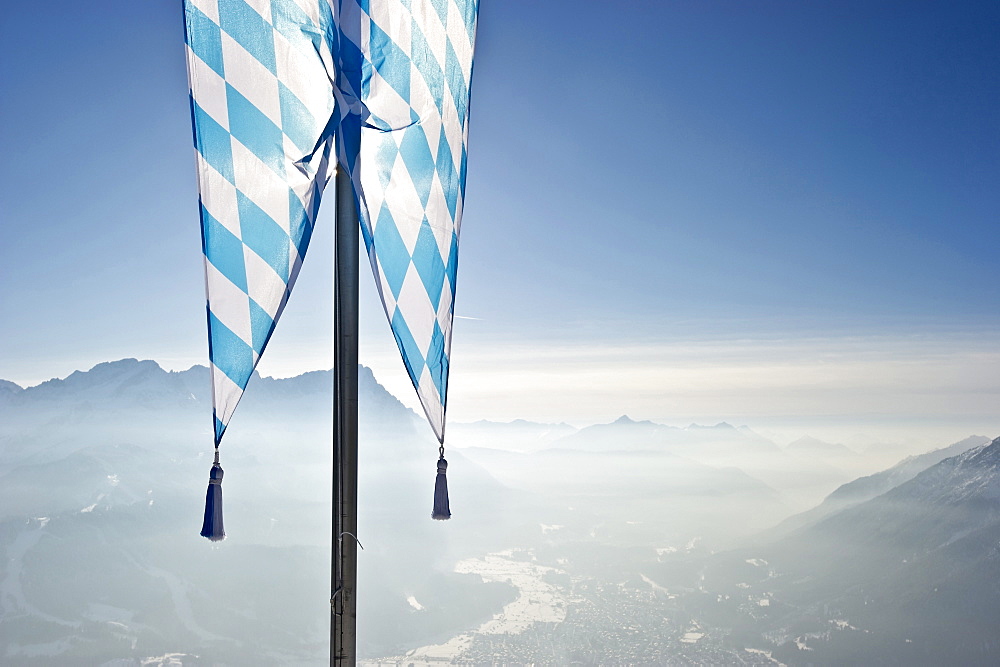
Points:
(767, 194)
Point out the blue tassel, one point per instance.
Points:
(212, 527)
(441, 509)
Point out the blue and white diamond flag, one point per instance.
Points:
(415, 75)
(273, 83)
(261, 78)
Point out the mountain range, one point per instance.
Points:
(899, 568)
(663, 464)
(102, 485)
(103, 476)
(916, 569)
(865, 488)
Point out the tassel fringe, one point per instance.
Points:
(441, 511)
(212, 527)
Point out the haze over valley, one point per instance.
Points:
(628, 541)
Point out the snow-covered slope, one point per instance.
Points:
(865, 488)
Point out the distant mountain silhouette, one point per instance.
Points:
(7, 387)
(803, 482)
(102, 488)
(643, 478)
(621, 434)
(810, 446)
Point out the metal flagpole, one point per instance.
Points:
(344, 566)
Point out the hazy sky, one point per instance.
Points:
(679, 210)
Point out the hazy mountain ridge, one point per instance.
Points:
(104, 472)
(906, 567)
(959, 494)
(802, 482)
(870, 486)
(830, 452)
(130, 382)
(7, 388)
(865, 488)
(627, 433)
(637, 495)
(639, 480)
(102, 481)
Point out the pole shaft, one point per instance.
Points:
(343, 603)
